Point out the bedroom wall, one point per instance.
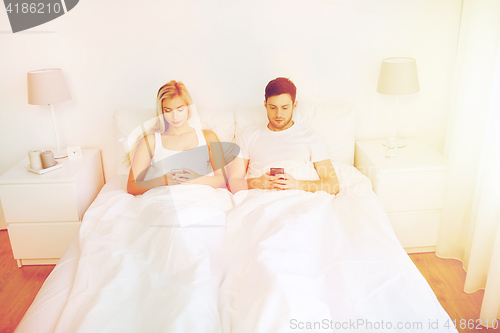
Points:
(117, 53)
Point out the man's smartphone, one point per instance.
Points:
(276, 171)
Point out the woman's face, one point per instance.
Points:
(175, 111)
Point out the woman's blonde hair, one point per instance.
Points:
(168, 91)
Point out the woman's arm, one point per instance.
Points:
(140, 163)
(217, 160)
(135, 189)
(237, 172)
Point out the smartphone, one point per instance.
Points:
(276, 171)
(176, 171)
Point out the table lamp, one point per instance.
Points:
(398, 76)
(47, 87)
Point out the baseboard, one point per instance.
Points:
(420, 249)
(30, 262)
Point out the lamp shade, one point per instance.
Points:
(47, 86)
(398, 76)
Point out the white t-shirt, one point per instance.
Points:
(265, 149)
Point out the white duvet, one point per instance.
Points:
(186, 260)
(302, 260)
(149, 264)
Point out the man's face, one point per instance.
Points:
(280, 111)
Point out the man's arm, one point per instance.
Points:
(327, 182)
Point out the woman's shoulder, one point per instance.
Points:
(150, 140)
(210, 136)
(145, 147)
(151, 137)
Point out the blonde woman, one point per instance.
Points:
(179, 153)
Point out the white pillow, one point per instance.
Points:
(221, 121)
(127, 123)
(335, 123)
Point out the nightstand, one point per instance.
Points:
(43, 212)
(410, 186)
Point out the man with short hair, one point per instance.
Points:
(282, 140)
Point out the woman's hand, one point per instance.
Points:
(171, 178)
(188, 176)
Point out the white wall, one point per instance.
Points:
(117, 53)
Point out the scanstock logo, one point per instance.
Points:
(26, 14)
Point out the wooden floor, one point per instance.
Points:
(19, 286)
(446, 278)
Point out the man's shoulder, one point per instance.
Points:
(308, 135)
(305, 130)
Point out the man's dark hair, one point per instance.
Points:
(279, 86)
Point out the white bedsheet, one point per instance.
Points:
(285, 260)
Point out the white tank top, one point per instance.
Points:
(196, 159)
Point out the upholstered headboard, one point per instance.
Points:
(334, 123)
(128, 127)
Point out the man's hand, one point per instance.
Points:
(285, 182)
(264, 182)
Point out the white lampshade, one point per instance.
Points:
(398, 76)
(47, 86)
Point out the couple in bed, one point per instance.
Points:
(190, 155)
(196, 259)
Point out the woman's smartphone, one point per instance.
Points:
(276, 171)
(176, 171)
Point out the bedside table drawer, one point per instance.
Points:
(411, 191)
(417, 229)
(41, 240)
(39, 203)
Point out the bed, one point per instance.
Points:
(196, 259)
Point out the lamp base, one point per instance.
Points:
(60, 154)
